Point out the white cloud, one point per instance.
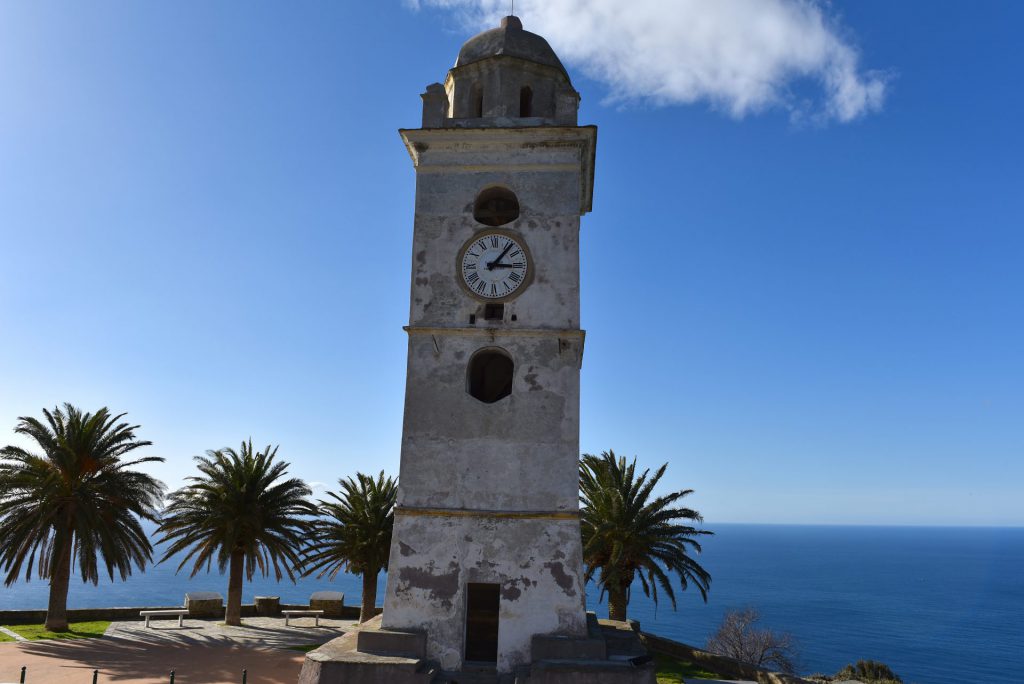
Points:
(741, 56)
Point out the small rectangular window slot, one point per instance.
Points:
(494, 312)
(514, 319)
(472, 319)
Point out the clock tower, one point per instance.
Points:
(486, 550)
(485, 577)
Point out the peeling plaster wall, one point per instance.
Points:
(536, 562)
(518, 454)
(469, 462)
(553, 243)
(549, 199)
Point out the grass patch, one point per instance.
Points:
(305, 648)
(4, 637)
(672, 670)
(78, 630)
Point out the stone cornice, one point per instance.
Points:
(496, 332)
(470, 513)
(475, 144)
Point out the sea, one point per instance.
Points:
(939, 605)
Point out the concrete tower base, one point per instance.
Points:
(611, 653)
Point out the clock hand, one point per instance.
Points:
(492, 264)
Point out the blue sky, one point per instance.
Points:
(807, 302)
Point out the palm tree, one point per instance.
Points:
(355, 534)
(627, 533)
(74, 502)
(242, 512)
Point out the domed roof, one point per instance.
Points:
(509, 40)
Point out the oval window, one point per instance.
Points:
(489, 377)
(496, 207)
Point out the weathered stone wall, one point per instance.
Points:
(547, 181)
(518, 454)
(488, 492)
(204, 604)
(499, 81)
(537, 563)
(331, 602)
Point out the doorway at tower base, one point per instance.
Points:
(610, 653)
(481, 586)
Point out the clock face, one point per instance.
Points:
(494, 265)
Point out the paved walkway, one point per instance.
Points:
(202, 652)
(254, 632)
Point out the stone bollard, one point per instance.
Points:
(331, 602)
(204, 604)
(268, 606)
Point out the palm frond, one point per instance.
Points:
(353, 532)
(76, 491)
(630, 533)
(241, 502)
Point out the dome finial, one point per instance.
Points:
(512, 20)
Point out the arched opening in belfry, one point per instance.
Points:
(496, 206)
(477, 102)
(489, 377)
(526, 101)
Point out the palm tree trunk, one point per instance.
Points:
(369, 607)
(617, 603)
(233, 614)
(57, 610)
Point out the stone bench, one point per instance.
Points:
(331, 602)
(180, 612)
(288, 614)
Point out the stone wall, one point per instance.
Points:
(37, 617)
(31, 617)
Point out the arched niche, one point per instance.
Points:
(489, 375)
(525, 101)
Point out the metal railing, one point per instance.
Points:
(96, 676)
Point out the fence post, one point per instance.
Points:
(245, 676)
(23, 668)
(172, 676)
(95, 676)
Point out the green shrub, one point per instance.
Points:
(672, 670)
(870, 672)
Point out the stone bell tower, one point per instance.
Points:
(486, 549)
(485, 577)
